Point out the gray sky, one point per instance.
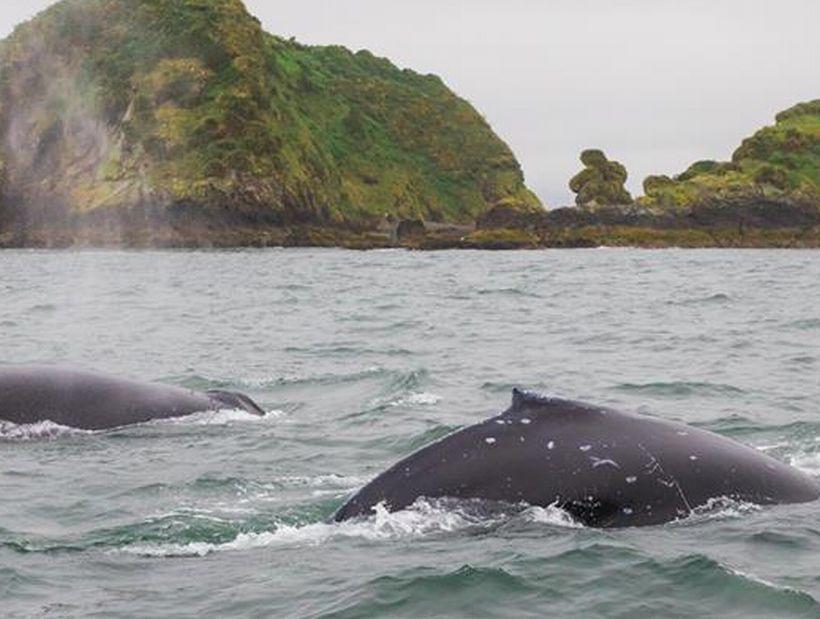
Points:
(658, 84)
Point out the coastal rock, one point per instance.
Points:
(601, 183)
(772, 180)
(409, 229)
(186, 113)
(511, 214)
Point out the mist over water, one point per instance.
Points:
(361, 358)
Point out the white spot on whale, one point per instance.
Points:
(526, 421)
(585, 448)
(631, 480)
(490, 441)
(551, 445)
(628, 511)
(500, 422)
(693, 458)
(596, 462)
(683, 433)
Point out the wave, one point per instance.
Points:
(409, 400)
(713, 299)
(203, 383)
(424, 519)
(43, 307)
(322, 481)
(330, 485)
(761, 581)
(678, 389)
(701, 572)
(395, 380)
(806, 324)
(233, 491)
(808, 462)
(515, 292)
(468, 591)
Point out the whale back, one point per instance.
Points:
(605, 467)
(91, 401)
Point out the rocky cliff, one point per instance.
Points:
(136, 117)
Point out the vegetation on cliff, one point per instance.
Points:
(778, 166)
(601, 183)
(188, 108)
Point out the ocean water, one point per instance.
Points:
(360, 359)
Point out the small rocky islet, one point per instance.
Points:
(182, 123)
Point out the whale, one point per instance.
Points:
(88, 400)
(607, 469)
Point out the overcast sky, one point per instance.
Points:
(658, 84)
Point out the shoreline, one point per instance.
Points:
(583, 237)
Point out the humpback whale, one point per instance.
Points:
(606, 468)
(91, 401)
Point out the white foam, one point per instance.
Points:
(423, 519)
(553, 516)
(771, 447)
(424, 399)
(42, 430)
(417, 399)
(219, 418)
(189, 514)
(319, 486)
(721, 508)
(323, 481)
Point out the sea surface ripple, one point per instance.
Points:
(361, 358)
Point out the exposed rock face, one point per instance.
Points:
(161, 113)
(601, 183)
(511, 214)
(409, 229)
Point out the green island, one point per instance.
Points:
(182, 123)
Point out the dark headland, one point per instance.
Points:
(181, 123)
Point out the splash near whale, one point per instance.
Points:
(606, 468)
(92, 401)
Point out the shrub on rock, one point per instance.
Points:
(601, 183)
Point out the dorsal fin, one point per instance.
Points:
(532, 402)
(237, 400)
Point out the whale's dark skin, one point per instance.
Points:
(606, 468)
(91, 401)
